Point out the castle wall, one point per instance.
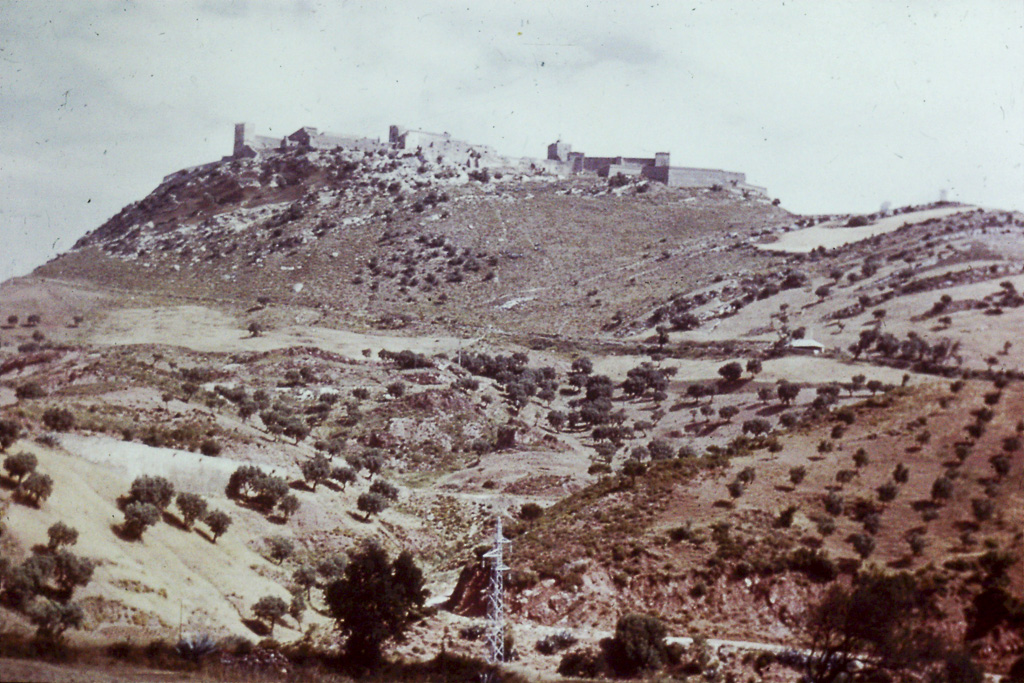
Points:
(678, 176)
(612, 170)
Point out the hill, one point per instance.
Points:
(687, 401)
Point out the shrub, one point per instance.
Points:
(833, 504)
(983, 508)
(36, 488)
(28, 391)
(942, 488)
(887, 492)
(549, 645)
(863, 544)
(10, 431)
(61, 534)
(785, 518)
(59, 419)
(901, 474)
(860, 458)
(20, 465)
(731, 371)
(531, 511)
(797, 474)
(210, 447)
(396, 389)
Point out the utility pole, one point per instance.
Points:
(496, 596)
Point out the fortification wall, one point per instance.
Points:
(678, 176)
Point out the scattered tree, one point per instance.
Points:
(279, 548)
(374, 601)
(10, 431)
(139, 516)
(371, 504)
(269, 609)
(218, 522)
(61, 534)
(192, 507)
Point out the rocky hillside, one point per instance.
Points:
(687, 401)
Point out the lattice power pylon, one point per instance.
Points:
(496, 596)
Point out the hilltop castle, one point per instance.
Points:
(561, 159)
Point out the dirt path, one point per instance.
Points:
(835, 234)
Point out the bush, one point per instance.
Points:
(797, 474)
(61, 534)
(10, 431)
(863, 544)
(531, 511)
(731, 371)
(210, 447)
(20, 465)
(28, 391)
(59, 419)
(36, 488)
(549, 645)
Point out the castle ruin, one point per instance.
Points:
(657, 168)
(561, 159)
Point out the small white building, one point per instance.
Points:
(806, 346)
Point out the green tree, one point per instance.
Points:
(288, 505)
(138, 517)
(269, 609)
(192, 507)
(156, 491)
(638, 645)
(279, 548)
(371, 504)
(52, 619)
(316, 469)
(71, 571)
(218, 521)
(343, 475)
(374, 601)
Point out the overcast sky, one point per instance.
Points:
(834, 106)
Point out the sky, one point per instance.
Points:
(834, 106)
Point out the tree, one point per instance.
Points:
(371, 504)
(192, 507)
(788, 392)
(757, 425)
(731, 371)
(138, 517)
(728, 412)
(343, 475)
(218, 521)
(10, 431)
(385, 489)
(12, 320)
(396, 389)
(879, 621)
(71, 571)
(255, 329)
(20, 465)
(61, 534)
(754, 366)
(279, 548)
(316, 469)
(304, 577)
(639, 644)
(797, 473)
(374, 601)
(52, 619)
(288, 505)
(36, 488)
(270, 609)
(156, 491)
(33, 320)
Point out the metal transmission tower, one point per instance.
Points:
(496, 597)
